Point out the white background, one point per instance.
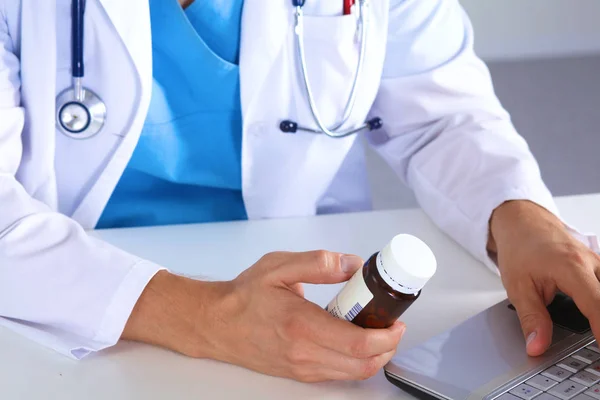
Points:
(533, 28)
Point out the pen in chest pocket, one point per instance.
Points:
(348, 4)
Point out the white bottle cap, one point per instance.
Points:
(406, 264)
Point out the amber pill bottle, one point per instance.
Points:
(389, 282)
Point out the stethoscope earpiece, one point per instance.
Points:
(375, 123)
(80, 113)
(288, 126)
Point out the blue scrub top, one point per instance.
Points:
(186, 167)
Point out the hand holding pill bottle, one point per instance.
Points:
(387, 285)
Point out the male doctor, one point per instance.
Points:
(195, 92)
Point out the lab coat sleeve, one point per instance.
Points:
(445, 132)
(58, 286)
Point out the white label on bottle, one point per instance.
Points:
(353, 297)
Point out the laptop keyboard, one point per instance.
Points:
(576, 377)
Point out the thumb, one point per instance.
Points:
(319, 267)
(535, 321)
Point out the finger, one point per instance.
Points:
(319, 327)
(584, 288)
(361, 369)
(318, 267)
(358, 342)
(315, 364)
(534, 317)
(316, 375)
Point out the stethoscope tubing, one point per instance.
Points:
(288, 126)
(77, 20)
(77, 63)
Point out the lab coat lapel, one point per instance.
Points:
(131, 19)
(263, 33)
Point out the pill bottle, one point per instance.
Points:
(389, 282)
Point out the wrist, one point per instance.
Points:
(513, 219)
(174, 312)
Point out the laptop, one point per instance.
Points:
(484, 358)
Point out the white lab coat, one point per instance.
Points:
(446, 135)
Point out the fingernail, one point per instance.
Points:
(402, 330)
(350, 263)
(531, 337)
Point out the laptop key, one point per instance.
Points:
(594, 368)
(525, 392)
(594, 392)
(557, 373)
(572, 364)
(546, 396)
(567, 390)
(508, 396)
(582, 397)
(587, 356)
(542, 382)
(585, 378)
(594, 347)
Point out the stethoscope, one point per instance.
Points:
(80, 113)
(288, 126)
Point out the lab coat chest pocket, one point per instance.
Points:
(332, 49)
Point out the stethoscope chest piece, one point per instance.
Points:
(80, 117)
(80, 113)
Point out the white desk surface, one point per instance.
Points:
(462, 288)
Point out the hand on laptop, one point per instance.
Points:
(537, 256)
(261, 321)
